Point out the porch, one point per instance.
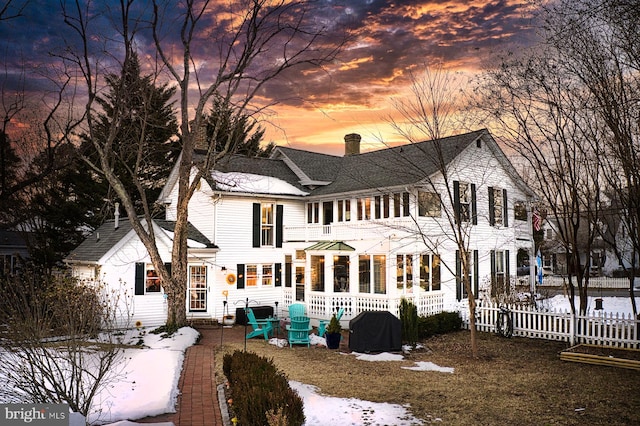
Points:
(322, 305)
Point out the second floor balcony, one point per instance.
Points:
(359, 230)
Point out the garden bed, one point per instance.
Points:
(602, 355)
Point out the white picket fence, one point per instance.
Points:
(597, 329)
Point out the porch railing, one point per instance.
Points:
(322, 305)
(594, 282)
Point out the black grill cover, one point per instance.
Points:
(375, 331)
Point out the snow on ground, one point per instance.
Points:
(150, 386)
(326, 410)
(610, 305)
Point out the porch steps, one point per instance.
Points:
(203, 322)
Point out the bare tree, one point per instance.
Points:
(229, 50)
(58, 342)
(570, 105)
(12, 9)
(430, 114)
(600, 42)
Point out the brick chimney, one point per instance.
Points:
(199, 135)
(352, 144)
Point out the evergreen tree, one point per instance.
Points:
(235, 132)
(145, 147)
(10, 165)
(61, 210)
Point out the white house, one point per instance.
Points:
(359, 231)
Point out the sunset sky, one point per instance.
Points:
(389, 40)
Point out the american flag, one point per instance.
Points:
(537, 220)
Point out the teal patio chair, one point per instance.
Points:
(322, 325)
(298, 331)
(260, 327)
(297, 310)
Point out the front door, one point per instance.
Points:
(197, 288)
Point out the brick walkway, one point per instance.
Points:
(198, 400)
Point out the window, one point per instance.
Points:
(313, 212)
(381, 206)
(267, 225)
(430, 272)
(152, 280)
(401, 204)
(340, 273)
(301, 255)
(267, 275)
(7, 264)
(520, 210)
(429, 204)
(385, 205)
(317, 273)
(344, 210)
(364, 274)
(372, 270)
(251, 275)
(464, 206)
(364, 208)
(497, 207)
(465, 202)
(404, 271)
(377, 207)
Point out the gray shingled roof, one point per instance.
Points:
(402, 165)
(11, 239)
(397, 166)
(106, 236)
(316, 166)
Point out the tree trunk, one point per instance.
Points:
(472, 326)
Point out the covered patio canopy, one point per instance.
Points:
(330, 245)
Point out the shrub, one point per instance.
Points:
(334, 325)
(442, 323)
(409, 320)
(259, 391)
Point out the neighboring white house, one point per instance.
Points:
(359, 231)
(13, 249)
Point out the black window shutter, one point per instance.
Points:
(474, 211)
(492, 206)
(278, 275)
(279, 219)
(505, 205)
(240, 277)
(493, 271)
(256, 224)
(507, 272)
(287, 274)
(456, 202)
(476, 278)
(459, 282)
(167, 266)
(139, 281)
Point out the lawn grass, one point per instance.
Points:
(514, 381)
